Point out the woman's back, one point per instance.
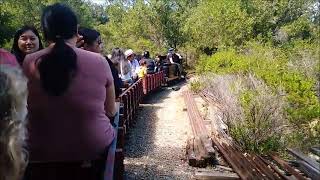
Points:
(73, 126)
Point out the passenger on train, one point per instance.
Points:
(71, 97)
(143, 69)
(7, 58)
(159, 60)
(26, 41)
(138, 57)
(13, 111)
(176, 59)
(150, 63)
(93, 43)
(118, 84)
(123, 66)
(134, 63)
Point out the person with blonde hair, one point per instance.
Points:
(13, 111)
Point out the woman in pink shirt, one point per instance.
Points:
(71, 95)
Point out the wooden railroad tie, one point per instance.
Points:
(200, 151)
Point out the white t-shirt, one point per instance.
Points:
(135, 67)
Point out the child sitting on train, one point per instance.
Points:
(143, 69)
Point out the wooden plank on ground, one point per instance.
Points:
(309, 170)
(215, 175)
(190, 152)
(275, 169)
(230, 158)
(302, 157)
(203, 148)
(315, 150)
(286, 167)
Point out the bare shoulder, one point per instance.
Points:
(36, 55)
(29, 62)
(95, 59)
(88, 55)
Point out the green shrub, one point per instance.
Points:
(255, 115)
(196, 86)
(293, 67)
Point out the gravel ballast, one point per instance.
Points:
(155, 146)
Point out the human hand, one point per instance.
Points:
(80, 42)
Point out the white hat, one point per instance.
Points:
(128, 52)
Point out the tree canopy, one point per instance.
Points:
(158, 24)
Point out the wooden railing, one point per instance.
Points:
(152, 82)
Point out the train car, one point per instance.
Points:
(171, 72)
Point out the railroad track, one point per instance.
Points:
(247, 165)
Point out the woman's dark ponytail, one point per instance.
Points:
(58, 67)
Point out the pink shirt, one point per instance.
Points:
(7, 58)
(73, 126)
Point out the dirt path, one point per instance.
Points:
(155, 147)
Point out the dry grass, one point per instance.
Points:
(254, 113)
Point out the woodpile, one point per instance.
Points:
(200, 151)
(245, 165)
(248, 165)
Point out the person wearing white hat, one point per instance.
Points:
(135, 67)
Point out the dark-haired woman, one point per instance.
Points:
(71, 95)
(26, 41)
(93, 43)
(123, 66)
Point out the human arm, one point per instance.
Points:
(170, 57)
(137, 66)
(171, 60)
(145, 71)
(110, 101)
(109, 104)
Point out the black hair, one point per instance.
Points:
(15, 48)
(58, 67)
(146, 54)
(89, 35)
